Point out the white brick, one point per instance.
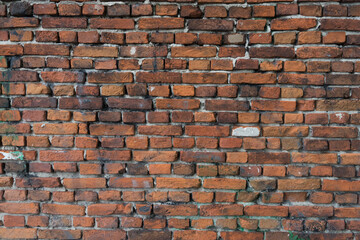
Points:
(246, 132)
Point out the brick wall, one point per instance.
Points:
(207, 119)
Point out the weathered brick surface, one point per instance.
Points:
(179, 119)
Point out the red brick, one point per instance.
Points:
(259, 210)
(45, 9)
(166, 10)
(193, 52)
(335, 132)
(298, 184)
(162, 182)
(62, 22)
(337, 24)
(177, 104)
(161, 23)
(15, 233)
(224, 183)
(251, 25)
(93, 9)
(311, 211)
(272, 52)
(74, 183)
(111, 130)
(131, 182)
(160, 130)
(111, 234)
(210, 25)
(19, 22)
(293, 24)
(48, 49)
(239, 235)
(81, 51)
(111, 23)
(108, 155)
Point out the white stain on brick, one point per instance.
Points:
(246, 132)
(11, 155)
(339, 115)
(147, 184)
(98, 7)
(133, 50)
(134, 183)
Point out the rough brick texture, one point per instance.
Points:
(180, 119)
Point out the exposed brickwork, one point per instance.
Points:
(181, 119)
